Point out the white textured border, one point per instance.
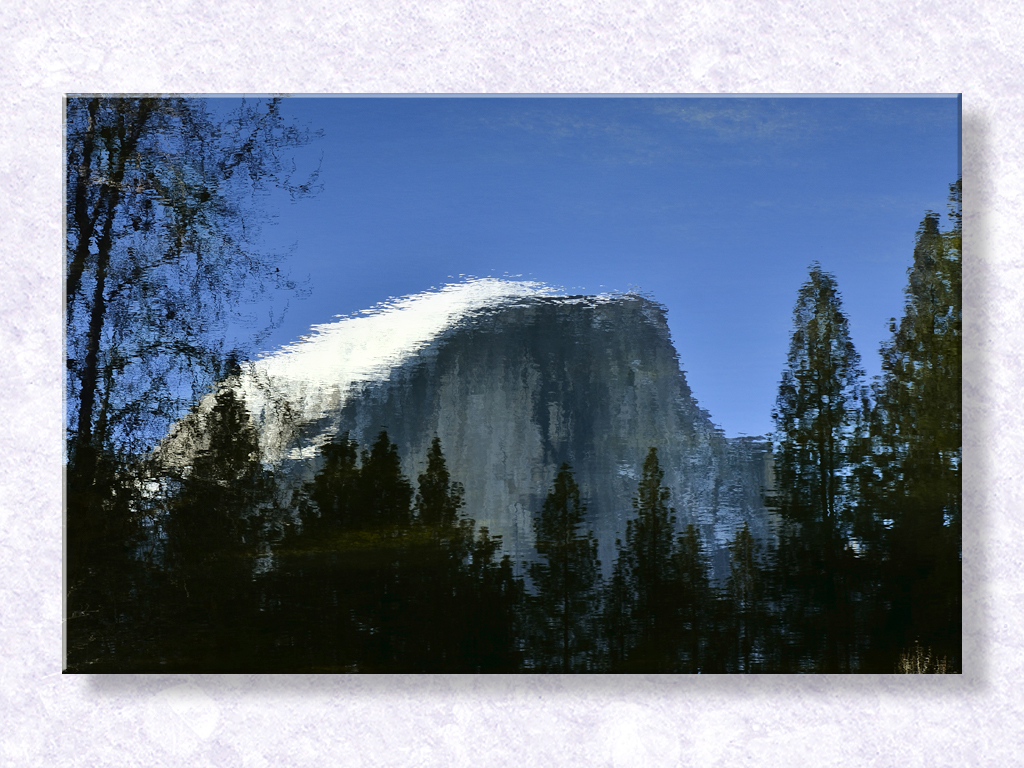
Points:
(508, 46)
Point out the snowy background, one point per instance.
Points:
(53, 47)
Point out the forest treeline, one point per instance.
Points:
(219, 567)
(361, 570)
(224, 565)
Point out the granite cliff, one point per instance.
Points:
(514, 381)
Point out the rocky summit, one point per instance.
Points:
(514, 380)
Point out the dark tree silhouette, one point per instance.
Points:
(917, 441)
(389, 591)
(383, 495)
(161, 252)
(815, 409)
(643, 595)
(438, 499)
(440, 589)
(814, 418)
(464, 603)
(745, 588)
(566, 582)
(617, 616)
(696, 599)
(335, 486)
(214, 528)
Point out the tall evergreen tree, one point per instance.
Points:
(439, 610)
(566, 582)
(815, 413)
(494, 605)
(335, 486)
(384, 496)
(644, 597)
(617, 616)
(464, 602)
(438, 498)
(918, 445)
(383, 508)
(215, 528)
(815, 409)
(919, 395)
(696, 599)
(745, 588)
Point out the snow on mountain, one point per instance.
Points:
(318, 373)
(514, 378)
(365, 347)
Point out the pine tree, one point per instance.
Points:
(919, 395)
(744, 587)
(335, 486)
(815, 415)
(439, 610)
(208, 515)
(566, 582)
(215, 528)
(644, 590)
(464, 602)
(617, 617)
(697, 602)
(438, 499)
(815, 409)
(493, 606)
(917, 442)
(384, 495)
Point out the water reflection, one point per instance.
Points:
(489, 477)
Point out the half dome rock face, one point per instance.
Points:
(514, 380)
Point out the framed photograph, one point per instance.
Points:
(513, 384)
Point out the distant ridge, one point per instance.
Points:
(515, 379)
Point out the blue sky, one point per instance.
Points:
(715, 207)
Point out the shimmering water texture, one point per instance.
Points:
(493, 475)
(489, 476)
